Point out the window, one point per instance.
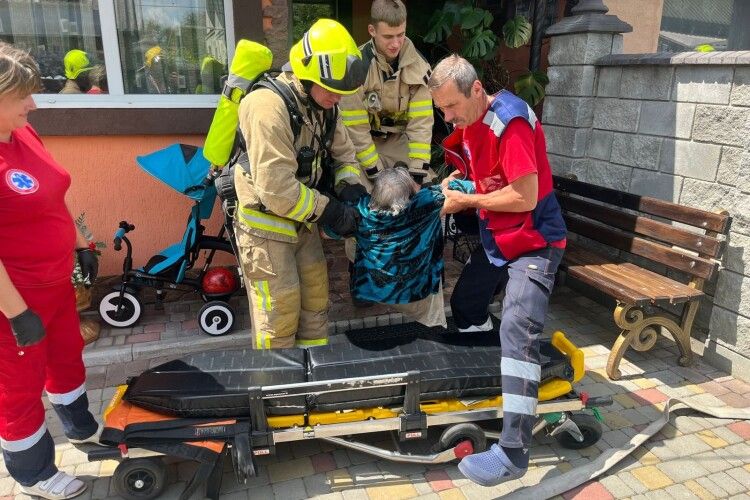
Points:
(51, 29)
(175, 50)
(172, 46)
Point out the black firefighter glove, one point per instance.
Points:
(27, 328)
(341, 218)
(351, 193)
(89, 263)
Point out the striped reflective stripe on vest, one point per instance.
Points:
(368, 157)
(268, 222)
(350, 118)
(419, 108)
(419, 150)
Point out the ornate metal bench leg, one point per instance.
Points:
(615, 355)
(637, 331)
(682, 335)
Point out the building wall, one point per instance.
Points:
(109, 186)
(645, 17)
(671, 126)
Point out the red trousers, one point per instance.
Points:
(55, 364)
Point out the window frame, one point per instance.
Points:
(116, 98)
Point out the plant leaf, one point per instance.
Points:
(441, 24)
(517, 32)
(471, 18)
(530, 87)
(488, 18)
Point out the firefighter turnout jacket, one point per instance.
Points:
(274, 200)
(393, 103)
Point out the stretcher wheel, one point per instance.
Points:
(216, 318)
(120, 313)
(590, 428)
(140, 478)
(459, 433)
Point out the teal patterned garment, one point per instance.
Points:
(399, 257)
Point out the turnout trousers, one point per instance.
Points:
(287, 287)
(53, 365)
(527, 281)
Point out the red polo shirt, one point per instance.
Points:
(37, 234)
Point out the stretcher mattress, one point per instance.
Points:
(450, 365)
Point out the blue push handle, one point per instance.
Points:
(118, 238)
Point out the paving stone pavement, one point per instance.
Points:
(692, 457)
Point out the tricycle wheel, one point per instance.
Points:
(140, 478)
(459, 433)
(590, 428)
(216, 318)
(120, 312)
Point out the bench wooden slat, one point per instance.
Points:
(667, 233)
(626, 282)
(696, 266)
(650, 283)
(687, 215)
(585, 269)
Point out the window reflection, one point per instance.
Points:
(172, 46)
(56, 31)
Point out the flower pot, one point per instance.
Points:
(83, 298)
(89, 330)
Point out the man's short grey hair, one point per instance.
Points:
(393, 189)
(457, 69)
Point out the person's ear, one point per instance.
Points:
(371, 30)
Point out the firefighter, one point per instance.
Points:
(390, 118)
(77, 68)
(279, 187)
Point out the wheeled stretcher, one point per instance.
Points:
(403, 378)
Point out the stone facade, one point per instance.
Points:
(672, 126)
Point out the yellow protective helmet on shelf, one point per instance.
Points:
(327, 55)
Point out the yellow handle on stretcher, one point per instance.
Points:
(565, 346)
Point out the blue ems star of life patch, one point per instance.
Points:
(21, 182)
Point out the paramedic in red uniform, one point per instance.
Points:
(499, 150)
(40, 341)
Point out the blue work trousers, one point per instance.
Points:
(527, 281)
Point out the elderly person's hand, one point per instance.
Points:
(456, 174)
(454, 201)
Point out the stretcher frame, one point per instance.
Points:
(411, 420)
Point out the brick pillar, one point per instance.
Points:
(576, 43)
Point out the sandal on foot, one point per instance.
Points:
(490, 468)
(58, 487)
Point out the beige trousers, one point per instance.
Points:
(287, 286)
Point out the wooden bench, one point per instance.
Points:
(607, 228)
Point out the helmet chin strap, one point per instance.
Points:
(307, 86)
